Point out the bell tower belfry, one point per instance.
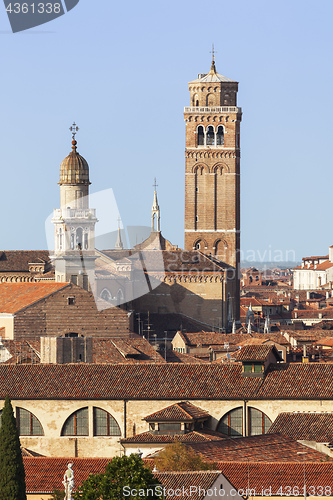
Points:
(74, 251)
(212, 168)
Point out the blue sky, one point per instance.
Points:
(121, 71)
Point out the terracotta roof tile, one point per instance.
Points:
(19, 260)
(309, 426)
(264, 448)
(165, 381)
(189, 437)
(182, 412)
(17, 296)
(200, 481)
(256, 352)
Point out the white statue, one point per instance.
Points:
(68, 482)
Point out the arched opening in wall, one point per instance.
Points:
(220, 136)
(76, 424)
(259, 423)
(79, 235)
(195, 100)
(72, 241)
(231, 424)
(120, 297)
(210, 100)
(201, 136)
(106, 295)
(28, 424)
(105, 424)
(86, 241)
(210, 139)
(197, 245)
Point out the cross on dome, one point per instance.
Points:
(74, 128)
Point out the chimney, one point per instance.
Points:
(330, 253)
(308, 296)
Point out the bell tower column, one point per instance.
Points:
(74, 255)
(212, 169)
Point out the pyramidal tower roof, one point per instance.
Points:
(212, 76)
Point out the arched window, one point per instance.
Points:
(197, 245)
(210, 100)
(220, 136)
(231, 424)
(86, 241)
(120, 297)
(28, 424)
(195, 100)
(201, 136)
(106, 295)
(105, 424)
(76, 424)
(79, 238)
(259, 423)
(210, 139)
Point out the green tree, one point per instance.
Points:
(58, 495)
(122, 475)
(177, 456)
(12, 476)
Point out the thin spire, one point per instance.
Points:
(155, 211)
(213, 52)
(119, 243)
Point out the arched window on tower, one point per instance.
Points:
(210, 139)
(72, 241)
(220, 136)
(86, 241)
(195, 100)
(201, 136)
(79, 238)
(210, 100)
(197, 245)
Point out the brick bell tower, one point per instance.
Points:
(212, 168)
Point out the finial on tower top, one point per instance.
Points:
(213, 52)
(155, 185)
(74, 128)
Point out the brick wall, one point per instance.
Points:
(55, 316)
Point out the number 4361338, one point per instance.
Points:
(32, 8)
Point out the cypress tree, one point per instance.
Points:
(12, 476)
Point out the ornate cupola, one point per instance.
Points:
(74, 222)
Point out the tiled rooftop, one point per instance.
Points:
(309, 426)
(189, 437)
(165, 381)
(180, 412)
(256, 352)
(264, 448)
(19, 260)
(17, 296)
